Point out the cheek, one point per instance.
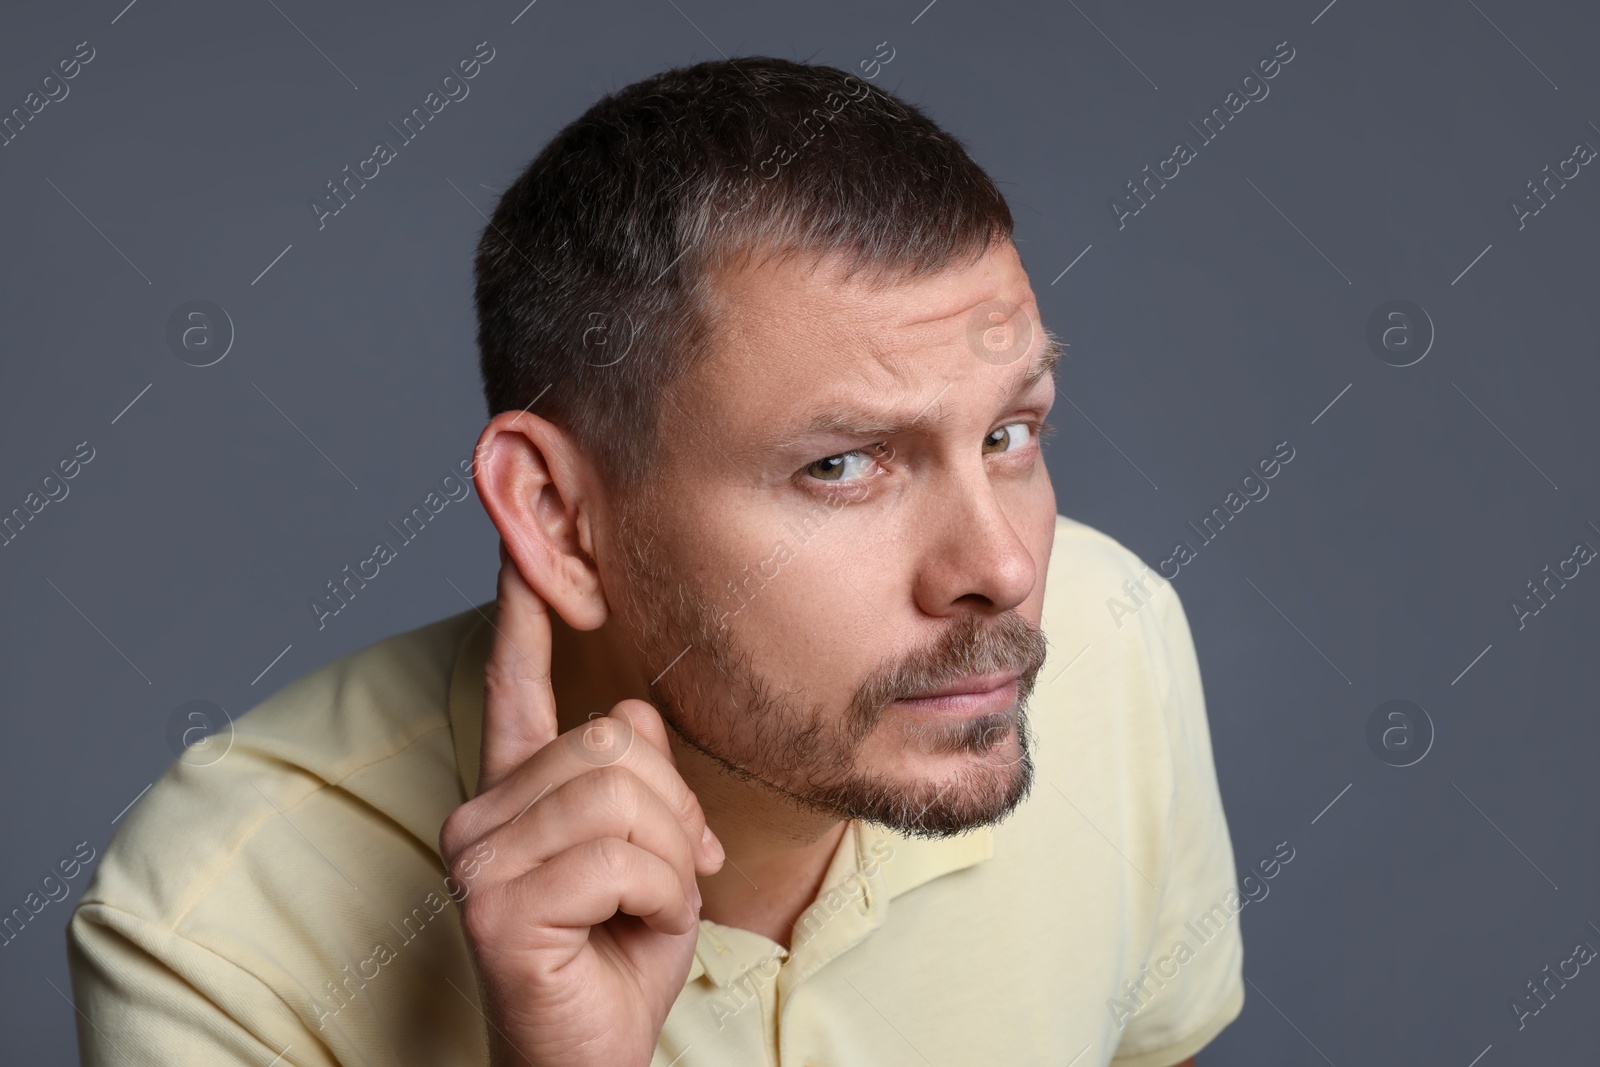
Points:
(810, 605)
(814, 607)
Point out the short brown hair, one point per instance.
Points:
(593, 279)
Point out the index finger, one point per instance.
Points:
(519, 708)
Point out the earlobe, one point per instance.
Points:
(539, 492)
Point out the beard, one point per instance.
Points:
(710, 693)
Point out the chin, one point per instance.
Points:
(938, 782)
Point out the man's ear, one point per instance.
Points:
(542, 494)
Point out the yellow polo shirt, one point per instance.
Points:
(286, 904)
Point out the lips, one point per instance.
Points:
(965, 698)
(973, 684)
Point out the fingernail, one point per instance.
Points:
(713, 846)
(694, 901)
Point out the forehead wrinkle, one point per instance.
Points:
(856, 422)
(884, 355)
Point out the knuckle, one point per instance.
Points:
(510, 673)
(611, 857)
(495, 683)
(456, 830)
(479, 920)
(685, 805)
(617, 789)
(464, 867)
(500, 671)
(689, 810)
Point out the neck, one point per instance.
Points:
(777, 851)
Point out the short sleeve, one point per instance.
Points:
(1191, 984)
(147, 997)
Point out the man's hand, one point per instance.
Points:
(583, 929)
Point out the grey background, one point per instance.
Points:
(1380, 567)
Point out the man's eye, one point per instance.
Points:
(1008, 438)
(844, 467)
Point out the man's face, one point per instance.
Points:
(851, 512)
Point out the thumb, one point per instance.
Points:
(646, 723)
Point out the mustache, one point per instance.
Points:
(972, 645)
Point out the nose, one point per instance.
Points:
(972, 558)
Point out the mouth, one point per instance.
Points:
(976, 694)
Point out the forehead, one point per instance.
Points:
(796, 332)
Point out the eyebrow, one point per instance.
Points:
(862, 423)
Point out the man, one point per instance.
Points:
(776, 745)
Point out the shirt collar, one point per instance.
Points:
(722, 953)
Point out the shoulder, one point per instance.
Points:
(1118, 704)
(1098, 588)
(254, 891)
(360, 742)
(1087, 554)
